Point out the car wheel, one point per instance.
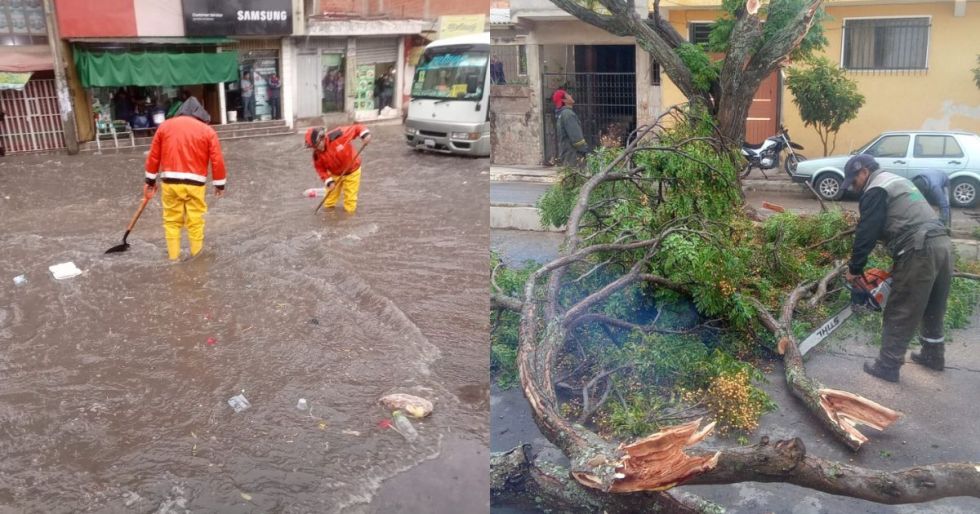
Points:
(963, 191)
(792, 161)
(828, 187)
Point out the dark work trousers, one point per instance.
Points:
(920, 287)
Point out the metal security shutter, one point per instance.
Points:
(376, 50)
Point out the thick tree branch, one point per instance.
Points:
(501, 301)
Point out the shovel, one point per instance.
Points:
(125, 246)
(320, 203)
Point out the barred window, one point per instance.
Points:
(886, 44)
(699, 32)
(508, 64)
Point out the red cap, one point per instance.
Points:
(558, 98)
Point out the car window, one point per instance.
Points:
(936, 146)
(889, 146)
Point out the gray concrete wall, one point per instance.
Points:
(515, 125)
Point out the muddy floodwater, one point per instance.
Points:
(114, 384)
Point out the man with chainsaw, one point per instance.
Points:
(337, 163)
(179, 155)
(895, 212)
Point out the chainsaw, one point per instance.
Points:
(868, 292)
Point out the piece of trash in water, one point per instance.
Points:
(212, 341)
(314, 192)
(314, 321)
(247, 497)
(384, 424)
(301, 404)
(404, 427)
(239, 403)
(322, 425)
(65, 270)
(350, 432)
(20, 280)
(131, 498)
(415, 406)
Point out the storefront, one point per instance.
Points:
(142, 81)
(260, 64)
(321, 72)
(376, 76)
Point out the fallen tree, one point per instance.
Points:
(663, 216)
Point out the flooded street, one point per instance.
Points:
(114, 384)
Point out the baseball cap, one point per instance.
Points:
(854, 165)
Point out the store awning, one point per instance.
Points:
(155, 40)
(26, 58)
(114, 69)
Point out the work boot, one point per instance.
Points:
(879, 370)
(932, 356)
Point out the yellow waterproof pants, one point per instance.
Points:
(183, 206)
(350, 185)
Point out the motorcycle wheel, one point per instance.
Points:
(746, 170)
(793, 160)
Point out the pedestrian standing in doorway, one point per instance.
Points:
(248, 97)
(337, 162)
(179, 155)
(572, 147)
(895, 212)
(934, 185)
(386, 92)
(275, 86)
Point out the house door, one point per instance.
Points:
(32, 119)
(763, 118)
(308, 85)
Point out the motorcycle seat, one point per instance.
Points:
(752, 146)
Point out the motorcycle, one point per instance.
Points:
(766, 156)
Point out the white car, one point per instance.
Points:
(907, 153)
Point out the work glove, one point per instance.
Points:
(149, 190)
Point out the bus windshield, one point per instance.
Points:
(451, 73)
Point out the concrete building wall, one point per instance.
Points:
(515, 119)
(427, 9)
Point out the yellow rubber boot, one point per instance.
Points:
(173, 249)
(196, 247)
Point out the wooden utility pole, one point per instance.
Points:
(61, 84)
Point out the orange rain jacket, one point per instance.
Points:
(339, 156)
(180, 153)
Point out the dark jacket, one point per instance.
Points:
(572, 146)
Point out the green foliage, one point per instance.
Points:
(704, 71)
(777, 14)
(505, 325)
(976, 72)
(826, 98)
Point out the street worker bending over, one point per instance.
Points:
(934, 185)
(337, 162)
(895, 212)
(181, 150)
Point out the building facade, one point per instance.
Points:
(910, 60)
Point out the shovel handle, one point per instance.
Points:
(136, 216)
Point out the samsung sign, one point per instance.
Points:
(238, 17)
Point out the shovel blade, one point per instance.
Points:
(118, 248)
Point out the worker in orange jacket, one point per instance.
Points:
(179, 156)
(337, 162)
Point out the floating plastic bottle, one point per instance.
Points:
(301, 404)
(404, 427)
(20, 280)
(313, 192)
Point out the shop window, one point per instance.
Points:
(886, 44)
(332, 69)
(22, 22)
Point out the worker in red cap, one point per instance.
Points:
(337, 163)
(572, 147)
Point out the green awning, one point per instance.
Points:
(111, 69)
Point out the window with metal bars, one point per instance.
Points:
(508, 64)
(22, 23)
(886, 44)
(699, 32)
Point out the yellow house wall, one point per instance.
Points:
(943, 97)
